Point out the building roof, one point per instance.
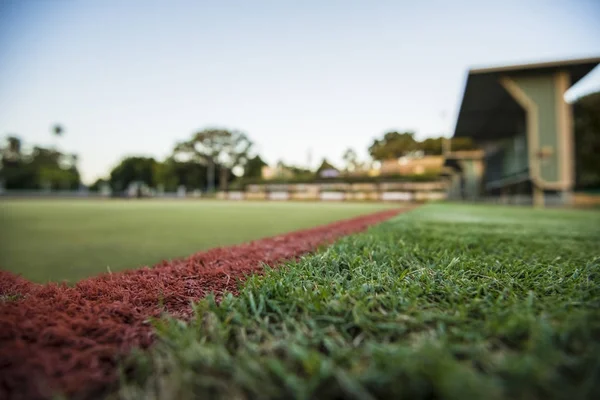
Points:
(487, 110)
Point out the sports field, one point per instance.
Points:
(56, 240)
(445, 302)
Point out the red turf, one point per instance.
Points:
(61, 339)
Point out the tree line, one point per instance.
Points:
(37, 167)
(171, 173)
(216, 157)
(210, 158)
(213, 158)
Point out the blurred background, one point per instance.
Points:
(147, 98)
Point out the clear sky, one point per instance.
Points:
(133, 77)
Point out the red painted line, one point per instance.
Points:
(61, 339)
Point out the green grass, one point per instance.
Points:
(55, 240)
(447, 301)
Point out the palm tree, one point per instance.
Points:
(57, 131)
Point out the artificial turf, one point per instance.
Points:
(446, 301)
(56, 240)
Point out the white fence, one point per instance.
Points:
(333, 196)
(235, 195)
(278, 196)
(396, 196)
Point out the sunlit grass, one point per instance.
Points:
(463, 302)
(55, 240)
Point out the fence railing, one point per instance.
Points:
(383, 191)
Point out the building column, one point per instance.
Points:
(549, 125)
(566, 136)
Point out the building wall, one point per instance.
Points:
(542, 90)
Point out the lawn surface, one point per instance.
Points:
(446, 301)
(55, 240)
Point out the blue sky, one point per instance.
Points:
(133, 77)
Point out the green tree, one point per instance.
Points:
(165, 175)
(393, 145)
(133, 169)
(191, 174)
(462, 143)
(37, 168)
(217, 147)
(12, 166)
(172, 173)
(254, 166)
(97, 185)
(435, 146)
(431, 146)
